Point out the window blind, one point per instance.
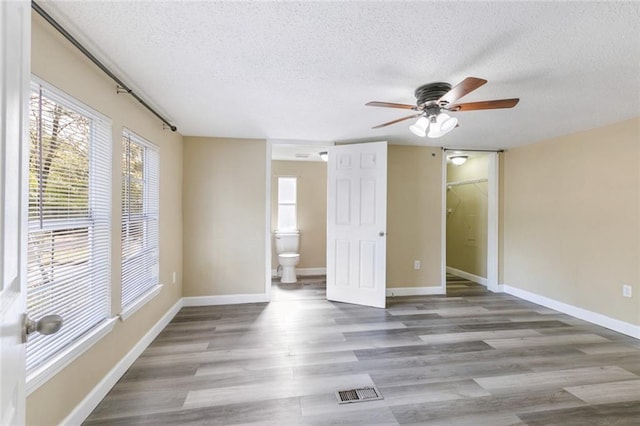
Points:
(68, 254)
(140, 209)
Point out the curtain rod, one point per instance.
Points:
(472, 150)
(122, 87)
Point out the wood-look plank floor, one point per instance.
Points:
(468, 358)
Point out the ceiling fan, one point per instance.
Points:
(433, 99)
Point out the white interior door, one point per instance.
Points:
(15, 33)
(357, 223)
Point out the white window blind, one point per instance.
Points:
(140, 208)
(69, 267)
(287, 198)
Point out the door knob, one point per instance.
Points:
(381, 233)
(48, 324)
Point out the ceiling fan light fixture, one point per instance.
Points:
(458, 160)
(434, 130)
(448, 123)
(441, 125)
(419, 128)
(432, 98)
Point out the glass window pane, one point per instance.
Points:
(58, 161)
(287, 216)
(286, 190)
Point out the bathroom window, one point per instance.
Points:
(140, 206)
(287, 198)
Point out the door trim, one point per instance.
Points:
(267, 226)
(493, 222)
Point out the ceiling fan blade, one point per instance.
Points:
(473, 106)
(396, 121)
(391, 105)
(463, 88)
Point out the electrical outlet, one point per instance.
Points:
(174, 277)
(416, 264)
(626, 291)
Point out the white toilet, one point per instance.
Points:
(287, 243)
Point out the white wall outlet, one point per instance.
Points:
(174, 277)
(626, 290)
(416, 264)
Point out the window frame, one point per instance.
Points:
(98, 219)
(150, 213)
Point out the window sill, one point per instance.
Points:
(140, 302)
(46, 371)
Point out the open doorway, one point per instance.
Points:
(298, 221)
(346, 246)
(470, 216)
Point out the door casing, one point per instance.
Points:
(15, 25)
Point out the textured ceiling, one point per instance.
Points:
(304, 70)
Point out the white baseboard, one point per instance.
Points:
(414, 291)
(499, 289)
(583, 314)
(225, 299)
(91, 401)
(311, 271)
(303, 272)
(471, 277)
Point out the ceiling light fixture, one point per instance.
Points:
(419, 128)
(324, 155)
(439, 124)
(458, 160)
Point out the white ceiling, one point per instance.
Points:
(298, 152)
(304, 70)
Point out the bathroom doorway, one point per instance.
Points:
(301, 166)
(470, 200)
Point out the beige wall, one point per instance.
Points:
(414, 216)
(312, 209)
(572, 219)
(224, 213)
(55, 61)
(467, 210)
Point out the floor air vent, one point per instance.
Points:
(368, 393)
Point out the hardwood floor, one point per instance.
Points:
(457, 286)
(468, 358)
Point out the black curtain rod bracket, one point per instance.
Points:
(121, 88)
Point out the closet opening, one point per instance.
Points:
(470, 201)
